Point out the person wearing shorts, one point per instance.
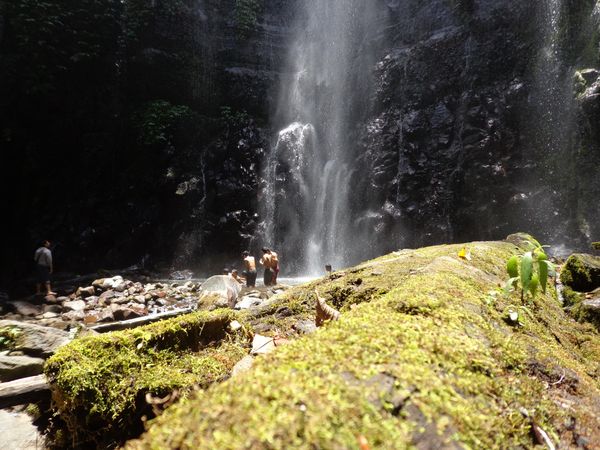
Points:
(44, 268)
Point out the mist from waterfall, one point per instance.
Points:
(310, 171)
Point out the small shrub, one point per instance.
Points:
(529, 271)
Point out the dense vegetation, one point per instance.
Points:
(106, 108)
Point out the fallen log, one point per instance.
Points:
(24, 390)
(138, 321)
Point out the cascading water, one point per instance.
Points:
(307, 200)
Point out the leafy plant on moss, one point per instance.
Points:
(8, 335)
(529, 271)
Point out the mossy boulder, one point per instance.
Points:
(581, 272)
(423, 356)
(99, 383)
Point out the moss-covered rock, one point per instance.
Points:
(581, 272)
(99, 383)
(423, 356)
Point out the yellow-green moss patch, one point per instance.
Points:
(99, 383)
(426, 359)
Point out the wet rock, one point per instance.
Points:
(15, 367)
(36, 340)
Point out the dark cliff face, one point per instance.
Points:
(146, 135)
(457, 146)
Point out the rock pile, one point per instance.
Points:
(117, 299)
(106, 300)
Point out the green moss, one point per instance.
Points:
(99, 383)
(581, 272)
(571, 297)
(596, 245)
(425, 360)
(8, 336)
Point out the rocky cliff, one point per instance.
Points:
(136, 131)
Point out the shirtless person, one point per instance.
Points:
(270, 261)
(265, 261)
(274, 266)
(250, 272)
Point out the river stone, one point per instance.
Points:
(37, 340)
(14, 367)
(77, 305)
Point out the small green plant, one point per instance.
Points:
(8, 335)
(529, 271)
(596, 245)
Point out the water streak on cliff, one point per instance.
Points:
(310, 171)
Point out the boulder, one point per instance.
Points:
(581, 272)
(14, 367)
(36, 340)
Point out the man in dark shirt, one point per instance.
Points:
(44, 268)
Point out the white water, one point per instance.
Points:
(307, 200)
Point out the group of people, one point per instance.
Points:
(269, 260)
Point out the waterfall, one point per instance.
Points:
(309, 175)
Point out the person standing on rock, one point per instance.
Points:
(44, 268)
(270, 261)
(274, 266)
(250, 272)
(265, 261)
